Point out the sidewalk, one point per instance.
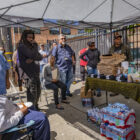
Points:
(71, 123)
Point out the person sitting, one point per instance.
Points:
(11, 115)
(51, 81)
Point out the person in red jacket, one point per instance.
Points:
(83, 65)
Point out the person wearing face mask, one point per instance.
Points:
(92, 56)
(29, 58)
(4, 78)
(2, 51)
(64, 56)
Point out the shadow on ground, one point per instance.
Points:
(75, 114)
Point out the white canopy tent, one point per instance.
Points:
(100, 13)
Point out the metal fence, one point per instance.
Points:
(104, 39)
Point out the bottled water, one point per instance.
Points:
(86, 102)
(115, 115)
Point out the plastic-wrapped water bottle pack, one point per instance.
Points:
(119, 115)
(116, 121)
(86, 102)
(111, 132)
(95, 115)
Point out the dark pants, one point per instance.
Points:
(55, 87)
(83, 72)
(33, 90)
(19, 80)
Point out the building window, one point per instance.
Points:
(66, 31)
(81, 31)
(54, 31)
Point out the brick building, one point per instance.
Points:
(41, 36)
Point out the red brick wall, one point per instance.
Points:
(40, 38)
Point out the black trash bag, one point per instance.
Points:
(102, 76)
(95, 76)
(112, 77)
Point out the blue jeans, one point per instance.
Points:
(67, 78)
(90, 71)
(41, 67)
(41, 77)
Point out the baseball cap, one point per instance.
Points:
(90, 43)
(117, 35)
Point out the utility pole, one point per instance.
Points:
(7, 40)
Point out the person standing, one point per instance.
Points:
(44, 61)
(74, 69)
(3, 51)
(29, 58)
(119, 48)
(83, 65)
(4, 75)
(64, 60)
(92, 58)
(54, 44)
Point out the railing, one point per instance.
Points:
(103, 40)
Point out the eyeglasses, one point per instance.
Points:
(92, 46)
(63, 38)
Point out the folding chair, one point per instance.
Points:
(12, 95)
(21, 129)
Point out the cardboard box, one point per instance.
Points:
(88, 95)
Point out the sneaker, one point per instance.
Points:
(113, 94)
(59, 107)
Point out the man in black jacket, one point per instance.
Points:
(29, 58)
(92, 56)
